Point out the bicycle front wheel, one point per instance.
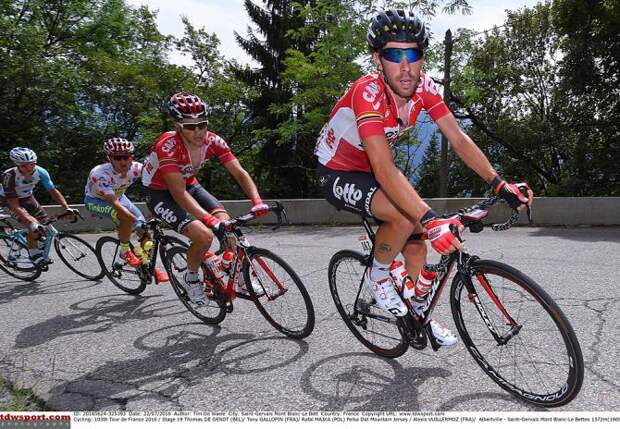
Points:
(78, 255)
(15, 260)
(213, 310)
(120, 273)
(374, 327)
(517, 334)
(284, 301)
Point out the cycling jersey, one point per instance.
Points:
(16, 185)
(103, 180)
(169, 155)
(367, 109)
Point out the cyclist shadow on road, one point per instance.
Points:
(13, 289)
(97, 315)
(179, 358)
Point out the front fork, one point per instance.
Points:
(472, 295)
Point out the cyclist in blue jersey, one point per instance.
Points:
(16, 193)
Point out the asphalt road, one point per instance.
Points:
(84, 345)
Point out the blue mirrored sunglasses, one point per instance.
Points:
(395, 55)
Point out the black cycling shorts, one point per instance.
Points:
(352, 191)
(165, 208)
(348, 190)
(31, 205)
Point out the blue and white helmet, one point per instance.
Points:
(22, 155)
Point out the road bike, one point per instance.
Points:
(511, 327)
(76, 253)
(274, 287)
(133, 280)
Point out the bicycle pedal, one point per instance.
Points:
(229, 307)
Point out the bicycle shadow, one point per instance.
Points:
(178, 358)
(97, 315)
(363, 381)
(349, 382)
(20, 288)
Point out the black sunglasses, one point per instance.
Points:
(395, 55)
(121, 157)
(191, 127)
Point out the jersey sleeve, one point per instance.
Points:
(102, 184)
(368, 103)
(219, 148)
(431, 99)
(166, 151)
(46, 180)
(8, 183)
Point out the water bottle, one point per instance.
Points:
(140, 253)
(214, 263)
(401, 279)
(423, 286)
(226, 260)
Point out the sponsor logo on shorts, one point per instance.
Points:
(367, 200)
(347, 193)
(164, 213)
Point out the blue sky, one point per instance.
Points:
(222, 17)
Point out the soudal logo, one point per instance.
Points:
(347, 193)
(168, 146)
(427, 84)
(370, 94)
(164, 213)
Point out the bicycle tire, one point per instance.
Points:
(66, 254)
(123, 276)
(296, 320)
(26, 271)
(175, 263)
(553, 340)
(344, 292)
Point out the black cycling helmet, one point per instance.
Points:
(184, 105)
(396, 26)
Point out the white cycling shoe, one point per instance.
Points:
(386, 296)
(443, 336)
(195, 291)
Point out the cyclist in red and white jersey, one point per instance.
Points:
(173, 193)
(356, 167)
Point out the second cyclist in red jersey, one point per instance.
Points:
(173, 193)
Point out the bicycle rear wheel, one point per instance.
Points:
(541, 361)
(122, 275)
(79, 256)
(15, 260)
(175, 262)
(374, 327)
(285, 304)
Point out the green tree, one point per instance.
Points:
(76, 72)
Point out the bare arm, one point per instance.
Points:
(465, 148)
(177, 188)
(391, 179)
(21, 213)
(59, 198)
(242, 178)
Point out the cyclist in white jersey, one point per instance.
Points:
(16, 193)
(105, 197)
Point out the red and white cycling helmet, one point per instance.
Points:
(117, 145)
(184, 105)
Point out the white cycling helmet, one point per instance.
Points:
(22, 155)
